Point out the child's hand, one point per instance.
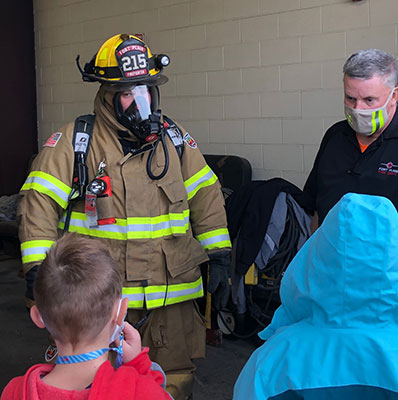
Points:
(131, 343)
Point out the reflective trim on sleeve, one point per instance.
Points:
(205, 177)
(132, 227)
(35, 250)
(216, 239)
(162, 295)
(48, 185)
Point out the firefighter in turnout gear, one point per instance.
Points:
(138, 183)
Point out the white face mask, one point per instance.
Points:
(118, 328)
(370, 121)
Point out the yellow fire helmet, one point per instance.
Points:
(124, 61)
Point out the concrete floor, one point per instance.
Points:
(23, 344)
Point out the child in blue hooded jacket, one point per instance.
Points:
(335, 336)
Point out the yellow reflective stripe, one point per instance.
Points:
(48, 185)
(218, 238)
(374, 122)
(132, 227)
(381, 119)
(205, 177)
(155, 295)
(35, 250)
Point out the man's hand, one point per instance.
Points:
(131, 343)
(219, 273)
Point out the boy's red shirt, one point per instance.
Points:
(133, 380)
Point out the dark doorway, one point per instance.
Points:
(18, 118)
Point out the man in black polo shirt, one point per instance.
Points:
(360, 154)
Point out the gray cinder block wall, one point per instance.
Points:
(257, 78)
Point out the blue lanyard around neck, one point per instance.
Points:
(92, 355)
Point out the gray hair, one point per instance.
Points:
(366, 63)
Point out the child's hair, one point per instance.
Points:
(76, 288)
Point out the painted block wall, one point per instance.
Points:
(257, 78)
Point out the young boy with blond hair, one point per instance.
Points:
(78, 299)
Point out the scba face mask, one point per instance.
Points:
(367, 122)
(141, 117)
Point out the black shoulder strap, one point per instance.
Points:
(82, 134)
(175, 134)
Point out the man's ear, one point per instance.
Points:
(36, 317)
(123, 310)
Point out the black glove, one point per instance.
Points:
(30, 280)
(219, 273)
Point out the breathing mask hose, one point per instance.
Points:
(166, 157)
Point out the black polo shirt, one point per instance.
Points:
(340, 167)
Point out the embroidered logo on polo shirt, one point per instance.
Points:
(388, 168)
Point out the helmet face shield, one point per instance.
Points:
(136, 102)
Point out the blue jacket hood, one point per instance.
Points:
(337, 326)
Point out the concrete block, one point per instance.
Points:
(265, 174)
(180, 63)
(61, 55)
(212, 148)
(52, 112)
(259, 28)
(225, 82)
(222, 33)
(199, 130)
(50, 18)
(280, 51)
(318, 3)
(379, 37)
(302, 131)
(263, 130)
(211, 59)
(302, 22)
(71, 92)
(178, 108)
(162, 41)
(283, 157)
(174, 16)
(170, 88)
(41, 5)
(242, 106)
(332, 74)
(280, 104)
(322, 47)
(50, 75)
(242, 55)
(301, 76)
(277, 6)
(190, 38)
(297, 178)
(325, 103)
(45, 94)
(192, 84)
(73, 110)
(92, 30)
(144, 21)
(208, 107)
(79, 12)
(43, 57)
(383, 12)
(329, 121)
(226, 131)
(310, 152)
(341, 17)
(263, 79)
(70, 74)
(234, 9)
(204, 11)
(251, 152)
